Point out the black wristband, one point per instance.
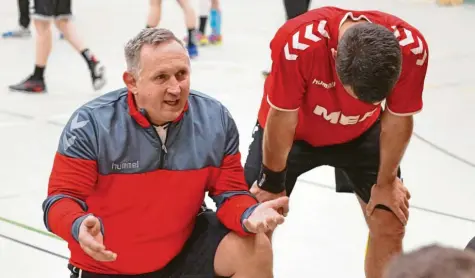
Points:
(270, 181)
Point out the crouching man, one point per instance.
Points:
(132, 169)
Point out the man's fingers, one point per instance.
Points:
(406, 203)
(102, 256)
(90, 222)
(405, 210)
(400, 215)
(369, 208)
(281, 202)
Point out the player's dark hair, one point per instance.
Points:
(433, 261)
(369, 61)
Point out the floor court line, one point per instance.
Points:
(34, 247)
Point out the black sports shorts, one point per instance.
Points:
(294, 8)
(196, 260)
(356, 162)
(57, 9)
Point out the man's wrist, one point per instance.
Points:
(247, 213)
(386, 179)
(271, 181)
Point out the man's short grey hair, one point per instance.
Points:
(433, 261)
(150, 36)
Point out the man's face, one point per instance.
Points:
(162, 84)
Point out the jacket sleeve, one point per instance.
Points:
(72, 178)
(229, 190)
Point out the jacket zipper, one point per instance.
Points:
(163, 151)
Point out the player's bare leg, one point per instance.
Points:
(244, 257)
(154, 13)
(190, 22)
(385, 239)
(35, 82)
(66, 27)
(44, 41)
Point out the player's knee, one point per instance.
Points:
(245, 256)
(61, 24)
(384, 224)
(42, 26)
(258, 259)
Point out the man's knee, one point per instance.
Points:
(384, 224)
(61, 23)
(42, 26)
(249, 256)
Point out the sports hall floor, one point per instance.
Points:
(325, 234)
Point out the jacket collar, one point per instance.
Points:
(140, 115)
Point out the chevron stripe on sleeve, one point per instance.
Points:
(295, 49)
(406, 98)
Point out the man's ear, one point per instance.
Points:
(130, 82)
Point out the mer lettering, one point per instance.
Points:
(340, 118)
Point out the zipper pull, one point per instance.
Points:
(164, 148)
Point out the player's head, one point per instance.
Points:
(158, 73)
(368, 61)
(433, 262)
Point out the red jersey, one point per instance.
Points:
(303, 76)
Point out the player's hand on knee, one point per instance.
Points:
(91, 240)
(266, 217)
(395, 196)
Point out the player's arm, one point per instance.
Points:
(72, 179)
(401, 105)
(285, 87)
(396, 132)
(228, 189)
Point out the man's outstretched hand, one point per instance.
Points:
(266, 216)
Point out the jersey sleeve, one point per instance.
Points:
(228, 188)
(406, 98)
(73, 176)
(292, 60)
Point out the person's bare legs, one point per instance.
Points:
(190, 22)
(385, 240)
(154, 13)
(67, 28)
(244, 257)
(43, 42)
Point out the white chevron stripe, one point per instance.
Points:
(309, 33)
(289, 56)
(321, 29)
(419, 49)
(408, 40)
(420, 62)
(396, 32)
(296, 43)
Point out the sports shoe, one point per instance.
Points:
(192, 50)
(215, 39)
(97, 75)
(29, 85)
(21, 32)
(200, 39)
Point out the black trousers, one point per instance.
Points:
(294, 8)
(24, 9)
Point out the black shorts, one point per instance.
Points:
(196, 260)
(57, 9)
(356, 163)
(294, 8)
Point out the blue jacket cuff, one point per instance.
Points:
(246, 215)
